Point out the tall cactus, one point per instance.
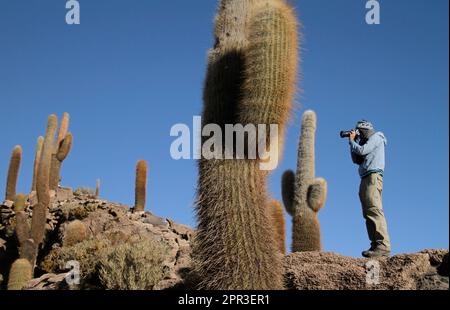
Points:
(277, 216)
(250, 80)
(13, 173)
(140, 186)
(61, 149)
(42, 184)
(304, 194)
(37, 158)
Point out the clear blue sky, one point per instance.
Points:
(132, 69)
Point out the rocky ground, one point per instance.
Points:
(109, 225)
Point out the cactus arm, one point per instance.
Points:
(317, 193)
(63, 128)
(287, 191)
(37, 157)
(271, 65)
(13, 173)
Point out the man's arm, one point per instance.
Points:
(365, 149)
(356, 159)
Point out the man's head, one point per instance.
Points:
(365, 129)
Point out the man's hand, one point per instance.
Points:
(352, 135)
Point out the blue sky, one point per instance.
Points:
(134, 68)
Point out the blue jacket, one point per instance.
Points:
(372, 153)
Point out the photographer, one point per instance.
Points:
(367, 150)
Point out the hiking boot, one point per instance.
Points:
(376, 252)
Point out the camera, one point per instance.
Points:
(346, 133)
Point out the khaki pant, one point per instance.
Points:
(370, 194)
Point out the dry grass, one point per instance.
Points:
(134, 266)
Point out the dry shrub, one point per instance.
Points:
(134, 266)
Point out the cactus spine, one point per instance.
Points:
(140, 186)
(277, 216)
(37, 158)
(250, 80)
(20, 273)
(13, 173)
(61, 149)
(304, 194)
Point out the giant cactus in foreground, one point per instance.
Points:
(250, 80)
(61, 149)
(13, 173)
(304, 194)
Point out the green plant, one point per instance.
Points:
(304, 194)
(37, 158)
(61, 149)
(13, 173)
(277, 216)
(74, 233)
(140, 186)
(20, 273)
(250, 80)
(134, 266)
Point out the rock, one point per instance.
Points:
(63, 193)
(48, 281)
(330, 271)
(155, 221)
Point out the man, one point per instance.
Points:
(368, 152)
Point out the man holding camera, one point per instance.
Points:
(367, 151)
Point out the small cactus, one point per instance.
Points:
(141, 185)
(97, 189)
(304, 194)
(20, 273)
(13, 173)
(74, 233)
(277, 216)
(61, 149)
(37, 158)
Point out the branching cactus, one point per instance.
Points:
(61, 149)
(140, 186)
(30, 238)
(13, 173)
(277, 215)
(250, 80)
(304, 194)
(37, 158)
(42, 184)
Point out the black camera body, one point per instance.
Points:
(346, 133)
